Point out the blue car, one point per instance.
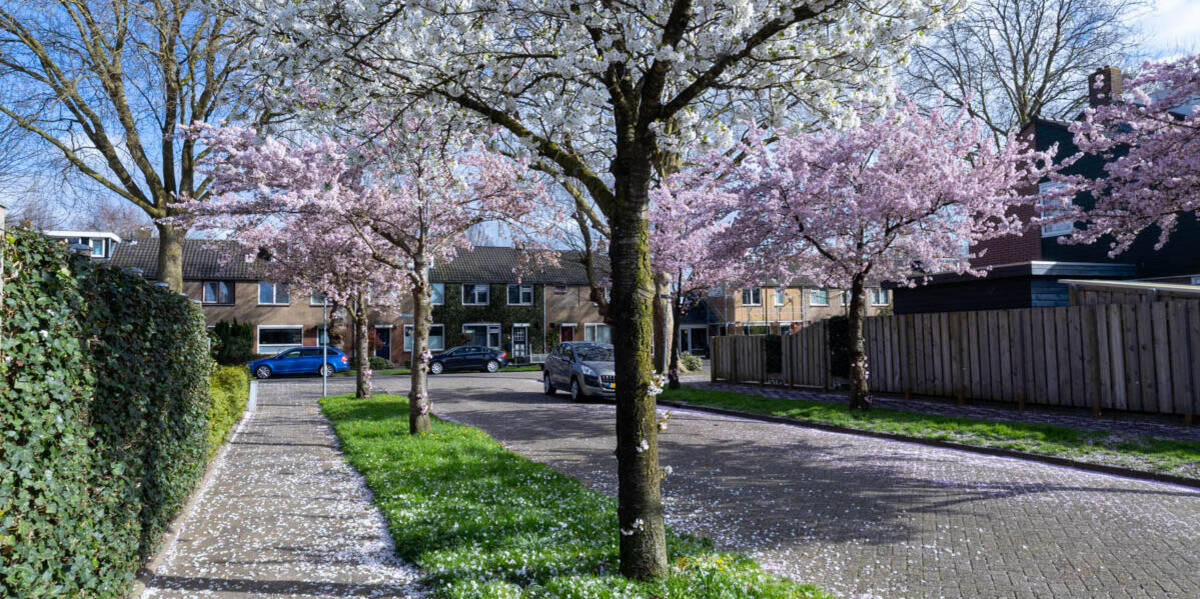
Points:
(301, 360)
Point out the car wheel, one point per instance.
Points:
(492, 366)
(263, 372)
(436, 368)
(547, 386)
(325, 370)
(576, 390)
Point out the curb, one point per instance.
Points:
(171, 535)
(992, 451)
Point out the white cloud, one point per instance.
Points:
(1170, 27)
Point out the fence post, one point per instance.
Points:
(712, 360)
(733, 361)
(762, 366)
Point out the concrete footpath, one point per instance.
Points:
(281, 515)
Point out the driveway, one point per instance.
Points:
(866, 517)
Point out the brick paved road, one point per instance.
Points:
(283, 516)
(868, 517)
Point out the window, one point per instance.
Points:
(316, 298)
(818, 297)
(752, 297)
(276, 338)
(1051, 208)
(97, 247)
(780, 296)
(273, 294)
(322, 335)
(597, 332)
(845, 297)
(437, 293)
(483, 334)
(437, 337)
(520, 295)
(560, 289)
(217, 292)
(476, 295)
(879, 297)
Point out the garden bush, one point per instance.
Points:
(233, 342)
(104, 399)
(378, 363)
(690, 363)
(230, 388)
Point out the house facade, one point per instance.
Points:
(1025, 270)
(480, 298)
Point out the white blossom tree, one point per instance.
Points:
(599, 92)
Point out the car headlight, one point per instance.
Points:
(587, 371)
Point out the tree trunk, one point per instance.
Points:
(170, 255)
(662, 321)
(676, 317)
(362, 349)
(639, 498)
(418, 395)
(859, 398)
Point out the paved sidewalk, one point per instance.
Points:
(1112, 422)
(282, 516)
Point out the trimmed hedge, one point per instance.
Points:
(233, 342)
(104, 405)
(230, 388)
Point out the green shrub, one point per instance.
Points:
(839, 346)
(230, 388)
(378, 363)
(690, 363)
(104, 402)
(233, 343)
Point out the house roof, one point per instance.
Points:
(203, 259)
(488, 264)
(213, 259)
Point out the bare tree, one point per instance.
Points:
(1009, 61)
(122, 218)
(104, 84)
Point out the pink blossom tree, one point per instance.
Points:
(1152, 143)
(688, 213)
(402, 192)
(903, 194)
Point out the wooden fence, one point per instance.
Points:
(1137, 357)
(1141, 357)
(804, 360)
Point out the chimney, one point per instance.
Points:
(1104, 86)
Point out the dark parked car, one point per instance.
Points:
(468, 357)
(582, 367)
(301, 360)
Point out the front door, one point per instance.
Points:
(383, 349)
(520, 343)
(567, 332)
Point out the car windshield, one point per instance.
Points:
(595, 353)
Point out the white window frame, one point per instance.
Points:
(560, 289)
(874, 297)
(316, 298)
(812, 297)
(408, 337)
(97, 248)
(780, 296)
(845, 297)
(274, 294)
(232, 293)
(589, 331)
(752, 291)
(521, 288)
(1051, 229)
(474, 296)
(440, 289)
(492, 327)
(258, 337)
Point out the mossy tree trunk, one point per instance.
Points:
(859, 391)
(419, 404)
(663, 322)
(362, 349)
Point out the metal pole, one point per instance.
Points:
(324, 345)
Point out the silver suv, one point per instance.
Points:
(583, 367)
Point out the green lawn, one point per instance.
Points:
(521, 368)
(1180, 458)
(484, 522)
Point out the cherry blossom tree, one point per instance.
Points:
(598, 92)
(403, 192)
(1151, 141)
(904, 194)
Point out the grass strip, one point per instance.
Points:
(1140, 452)
(484, 522)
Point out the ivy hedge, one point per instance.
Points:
(453, 314)
(104, 405)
